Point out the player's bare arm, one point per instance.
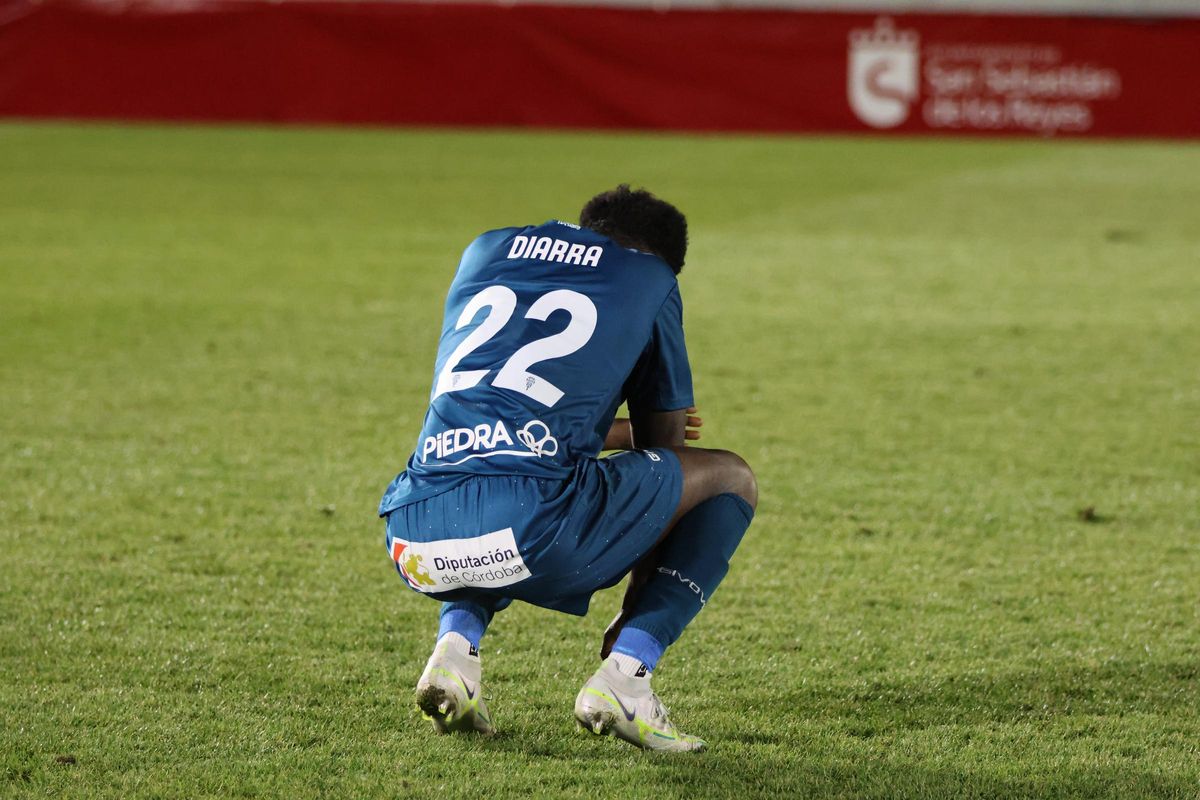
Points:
(620, 435)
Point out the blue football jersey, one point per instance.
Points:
(547, 329)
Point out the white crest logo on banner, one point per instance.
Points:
(882, 75)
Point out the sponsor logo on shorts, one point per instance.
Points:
(485, 561)
(487, 440)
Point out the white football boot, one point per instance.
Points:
(449, 692)
(625, 706)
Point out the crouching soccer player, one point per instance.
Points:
(547, 330)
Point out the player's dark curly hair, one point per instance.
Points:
(638, 219)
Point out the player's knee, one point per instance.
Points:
(742, 481)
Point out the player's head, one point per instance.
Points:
(640, 220)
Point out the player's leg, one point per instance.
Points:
(449, 690)
(711, 473)
(716, 504)
(707, 475)
(466, 620)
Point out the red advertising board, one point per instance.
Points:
(743, 70)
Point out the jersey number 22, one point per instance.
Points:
(515, 374)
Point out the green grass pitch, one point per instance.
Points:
(216, 348)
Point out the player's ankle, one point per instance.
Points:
(638, 651)
(630, 666)
(458, 643)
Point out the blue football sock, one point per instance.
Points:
(639, 645)
(691, 563)
(470, 620)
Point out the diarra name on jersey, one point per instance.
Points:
(547, 248)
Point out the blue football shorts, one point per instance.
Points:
(552, 543)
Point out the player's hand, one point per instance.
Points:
(694, 423)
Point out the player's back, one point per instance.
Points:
(545, 329)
